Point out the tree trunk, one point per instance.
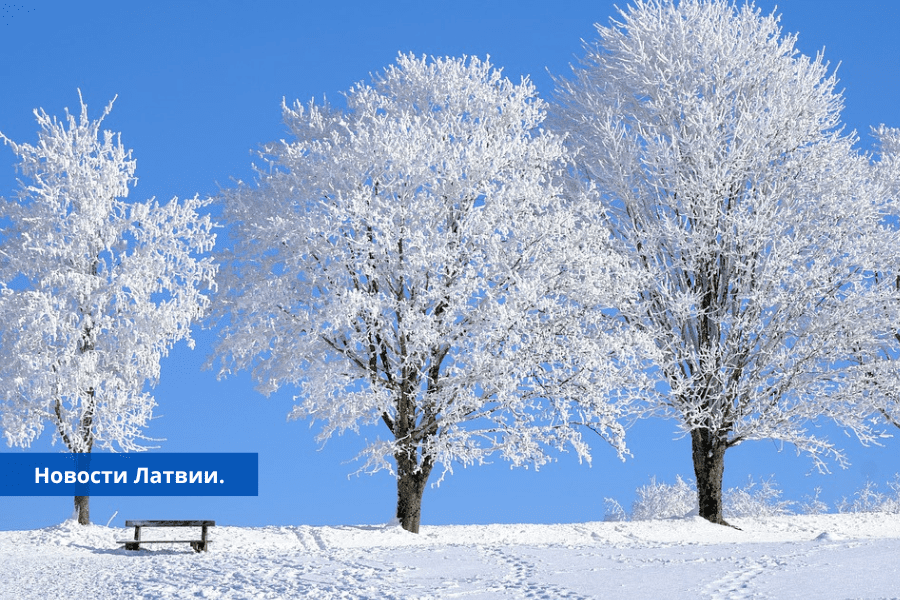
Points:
(83, 510)
(411, 480)
(83, 503)
(708, 451)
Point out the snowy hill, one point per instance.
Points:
(822, 556)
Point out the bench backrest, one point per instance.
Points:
(170, 523)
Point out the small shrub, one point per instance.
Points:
(664, 501)
(763, 500)
(614, 511)
(869, 499)
(812, 505)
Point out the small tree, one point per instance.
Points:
(96, 290)
(411, 261)
(757, 226)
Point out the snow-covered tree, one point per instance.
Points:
(412, 260)
(95, 290)
(882, 367)
(729, 182)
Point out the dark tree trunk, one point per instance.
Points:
(82, 508)
(411, 480)
(708, 451)
(83, 503)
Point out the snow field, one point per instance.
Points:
(820, 556)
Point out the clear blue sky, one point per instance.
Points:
(199, 86)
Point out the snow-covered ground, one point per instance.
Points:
(823, 556)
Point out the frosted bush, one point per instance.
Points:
(755, 500)
(812, 505)
(893, 502)
(664, 501)
(614, 511)
(763, 500)
(869, 499)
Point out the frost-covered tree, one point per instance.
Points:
(882, 366)
(411, 260)
(719, 152)
(95, 290)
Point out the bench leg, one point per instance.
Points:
(137, 538)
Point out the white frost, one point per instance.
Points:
(95, 290)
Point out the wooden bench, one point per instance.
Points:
(201, 545)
